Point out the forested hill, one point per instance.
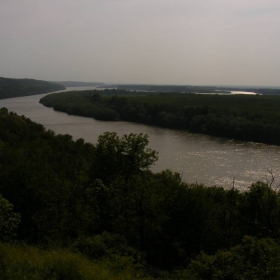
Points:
(23, 87)
(79, 84)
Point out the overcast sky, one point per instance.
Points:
(187, 42)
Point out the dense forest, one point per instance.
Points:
(74, 210)
(23, 87)
(241, 117)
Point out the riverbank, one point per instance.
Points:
(197, 158)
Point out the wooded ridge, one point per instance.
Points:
(23, 87)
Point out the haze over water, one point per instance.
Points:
(198, 158)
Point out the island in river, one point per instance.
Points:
(253, 118)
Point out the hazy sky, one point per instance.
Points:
(194, 42)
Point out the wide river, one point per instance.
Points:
(198, 158)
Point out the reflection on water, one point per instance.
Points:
(198, 158)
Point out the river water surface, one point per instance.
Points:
(198, 158)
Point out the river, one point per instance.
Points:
(198, 158)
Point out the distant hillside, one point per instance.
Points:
(195, 89)
(79, 84)
(23, 87)
(170, 88)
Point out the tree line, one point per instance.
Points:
(102, 201)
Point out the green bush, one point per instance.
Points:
(252, 259)
(8, 220)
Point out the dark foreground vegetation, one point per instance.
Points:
(23, 87)
(73, 210)
(240, 117)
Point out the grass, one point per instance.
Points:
(26, 262)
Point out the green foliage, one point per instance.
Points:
(43, 176)
(108, 246)
(8, 221)
(252, 259)
(127, 155)
(103, 201)
(260, 210)
(78, 104)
